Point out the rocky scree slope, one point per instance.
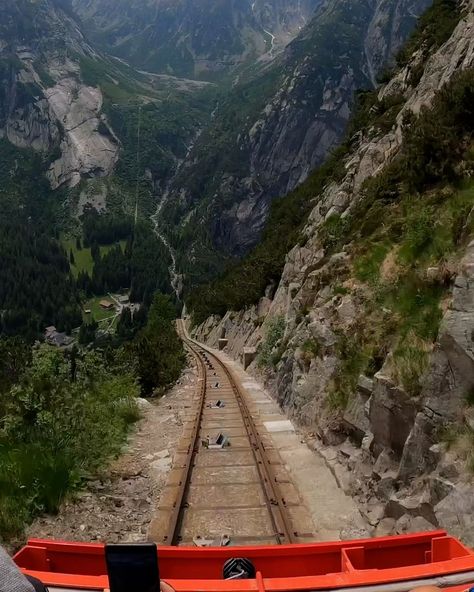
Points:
(203, 39)
(43, 103)
(271, 130)
(368, 337)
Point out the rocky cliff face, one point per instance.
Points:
(43, 103)
(271, 131)
(400, 446)
(196, 39)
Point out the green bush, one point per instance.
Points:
(63, 420)
(275, 330)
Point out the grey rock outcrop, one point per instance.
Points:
(85, 152)
(451, 374)
(45, 107)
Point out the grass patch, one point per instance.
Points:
(312, 348)
(354, 353)
(97, 312)
(82, 257)
(416, 304)
(340, 290)
(410, 362)
(367, 266)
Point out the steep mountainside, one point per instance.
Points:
(366, 337)
(79, 129)
(57, 91)
(272, 130)
(196, 39)
(44, 105)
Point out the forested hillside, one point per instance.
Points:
(244, 283)
(198, 39)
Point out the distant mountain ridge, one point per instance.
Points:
(202, 39)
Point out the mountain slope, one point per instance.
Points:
(270, 131)
(364, 334)
(195, 39)
(79, 132)
(44, 104)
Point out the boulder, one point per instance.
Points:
(417, 504)
(355, 417)
(417, 457)
(385, 527)
(391, 414)
(386, 486)
(439, 489)
(374, 513)
(408, 524)
(455, 512)
(365, 386)
(384, 465)
(322, 334)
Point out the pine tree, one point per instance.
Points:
(95, 252)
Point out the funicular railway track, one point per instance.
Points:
(241, 491)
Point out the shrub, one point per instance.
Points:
(309, 350)
(410, 362)
(274, 332)
(62, 421)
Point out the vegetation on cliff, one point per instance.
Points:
(430, 153)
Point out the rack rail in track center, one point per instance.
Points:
(242, 491)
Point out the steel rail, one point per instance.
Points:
(172, 536)
(274, 501)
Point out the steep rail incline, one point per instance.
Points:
(240, 493)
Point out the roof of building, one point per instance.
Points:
(106, 303)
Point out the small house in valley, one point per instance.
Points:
(106, 304)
